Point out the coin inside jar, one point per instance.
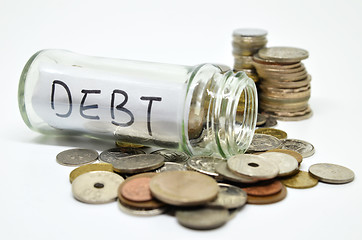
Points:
(96, 187)
(184, 188)
(253, 166)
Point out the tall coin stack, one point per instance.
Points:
(247, 42)
(284, 86)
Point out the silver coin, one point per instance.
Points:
(204, 164)
(223, 170)
(286, 163)
(263, 142)
(331, 173)
(172, 155)
(261, 119)
(76, 157)
(113, 155)
(254, 166)
(171, 166)
(249, 32)
(96, 187)
(283, 54)
(229, 197)
(138, 163)
(202, 218)
(304, 148)
(141, 211)
(270, 122)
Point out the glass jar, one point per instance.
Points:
(197, 109)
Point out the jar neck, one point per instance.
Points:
(229, 102)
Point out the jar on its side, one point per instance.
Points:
(197, 109)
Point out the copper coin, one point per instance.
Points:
(295, 154)
(137, 189)
(150, 204)
(268, 199)
(264, 189)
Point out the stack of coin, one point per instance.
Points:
(247, 42)
(284, 85)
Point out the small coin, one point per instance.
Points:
(264, 189)
(295, 154)
(304, 148)
(76, 157)
(283, 54)
(263, 142)
(96, 187)
(261, 119)
(229, 196)
(204, 164)
(280, 134)
(137, 189)
(90, 168)
(223, 170)
(268, 199)
(331, 173)
(148, 204)
(270, 121)
(141, 211)
(171, 166)
(300, 180)
(253, 166)
(184, 188)
(286, 163)
(172, 155)
(122, 144)
(250, 32)
(202, 218)
(114, 154)
(138, 163)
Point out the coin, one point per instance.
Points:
(184, 188)
(270, 121)
(137, 189)
(268, 199)
(229, 196)
(295, 154)
(263, 142)
(250, 32)
(264, 188)
(300, 180)
(261, 119)
(122, 144)
(90, 168)
(141, 211)
(172, 155)
(114, 154)
(283, 54)
(331, 173)
(148, 204)
(223, 170)
(76, 157)
(202, 218)
(280, 134)
(171, 166)
(204, 164)
(304, 148)
(253, 166)
(96, 187)
(138, 163)
(286, 163)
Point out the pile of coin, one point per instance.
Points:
(246, 42)
(202, 192)
(284, 86)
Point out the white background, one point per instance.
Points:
(36, 200)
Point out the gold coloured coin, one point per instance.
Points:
(184, 188)
(90, 168)
(128, 145)
(301, 180)
(283, 54)
(273, 132)
(268, 199)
